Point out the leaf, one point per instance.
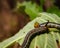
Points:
(41, 41)
(54, 9)
(29, 8)
(32, 10)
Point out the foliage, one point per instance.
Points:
(54, 9)
(34, 12)
(32, 9)
(42, 41)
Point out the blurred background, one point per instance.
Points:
(15, 14)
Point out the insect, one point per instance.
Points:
(48, 25)
(30, 35)
(39, 29)
(51, 25)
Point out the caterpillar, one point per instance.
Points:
(39, 29)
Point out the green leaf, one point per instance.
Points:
(54, 9)
(41, 41)
(32, 10)
(29, 8)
